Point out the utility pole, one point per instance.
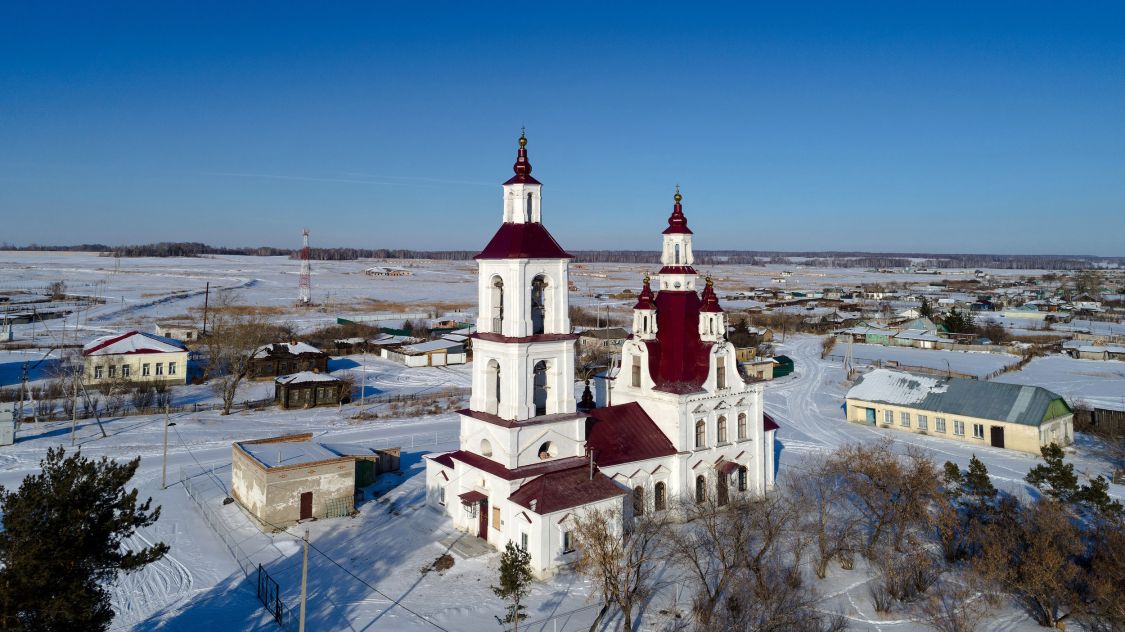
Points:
(363, 377)
(304, 583)
(164, 467)
(75, 376)
(206, 297)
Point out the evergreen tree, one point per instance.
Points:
(1054, 477)
(952, 480)
(62, 543)
(977, 483)
(1096, 496)
(515, 583)
(926, 310)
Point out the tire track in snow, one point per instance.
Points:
(156, 586)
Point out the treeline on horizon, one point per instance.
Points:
(823, 259)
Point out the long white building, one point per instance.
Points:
(679, 422)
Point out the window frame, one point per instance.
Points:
(700, 434)
(977, 427)
(939, 424)
(904, 419)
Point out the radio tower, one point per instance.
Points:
(304, 285)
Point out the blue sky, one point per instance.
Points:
(898, 126)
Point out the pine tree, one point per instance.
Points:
(515, 583)
(62, 542)
(952, 480)
(926, 310)
(977, 483)
(1054, 478)
(1096, 496)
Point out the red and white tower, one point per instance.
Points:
(304, 283)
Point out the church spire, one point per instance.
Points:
(522, 168)
(677, 223)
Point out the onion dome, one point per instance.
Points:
(522, 168)
(677, 223)
(587, 401)
(710, 300)
(644, 301)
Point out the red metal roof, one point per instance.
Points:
(522, 166)
(472, 497)
(768, 423)
(678, 360)
(726, 467)
(625, 433)
(677, 270)
(677, 223)
(527, 471)
(710, 299)
(523, 241)
(442, 459)
(644, 301)
(565, 489)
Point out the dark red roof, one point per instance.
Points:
(644, 301)
(443, 459)
(527, 471)
(565, 489)
(523, 241)
(472, 497)
(677, 270)
(522, 166)
(625, 433)
(768, 423)
(710, 300)
(678, 360)
(677, 222)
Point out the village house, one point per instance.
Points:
(283, 480)
(309, 389)
(285, 358)
(431, 353)
(135, 356)
(681, 424)
(1000, 415)
(610, 338)
(184, 331)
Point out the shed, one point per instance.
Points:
(783, 365)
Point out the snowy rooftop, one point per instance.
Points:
(305, 376)
(1027, 405)
(285, 453)
(433, 345)
(132, 342)
(296, 348)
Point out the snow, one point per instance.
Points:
(976, 363)
(882, 385)
(131, 342)
(1099, 383)
(283, 453)
(295, 348)
(305, 376)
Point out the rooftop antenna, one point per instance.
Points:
(304, 284)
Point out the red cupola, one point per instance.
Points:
(644, 301)
(522, 168)
(710, 299)
(677, 222)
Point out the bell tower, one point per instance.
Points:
(523, 351)
(677, 273)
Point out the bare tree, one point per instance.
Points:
(620, 563)
(232, 339)
(777, 600)
(710, 548)
(954, 608)
(1104, 607)
(826, 515)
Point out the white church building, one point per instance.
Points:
(676, 422)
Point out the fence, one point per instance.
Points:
(570, 621)
(905, 367)
(197, 482)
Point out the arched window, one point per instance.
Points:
(638, 501)
(742, 472)
(660, 497)
(538, 304)
(645, 328)
(547, 451)
(485, 447)
(741, 426)
(492, 376)
(700, 489)
(722, 429)
(700, 434)
(677, 254)
(497, 302)
(529, 215)
(539, 387)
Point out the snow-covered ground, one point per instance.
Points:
(375, 560)
(979, 364)
(1095, 382)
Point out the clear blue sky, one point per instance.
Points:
(898, 126)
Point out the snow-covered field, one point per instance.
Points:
(375, 560)
(978, 364)
(1094, 382)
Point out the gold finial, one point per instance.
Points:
(677, 197)
(646, 278)
(710, 283)
(523, 136)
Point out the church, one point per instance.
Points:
(675, 422)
